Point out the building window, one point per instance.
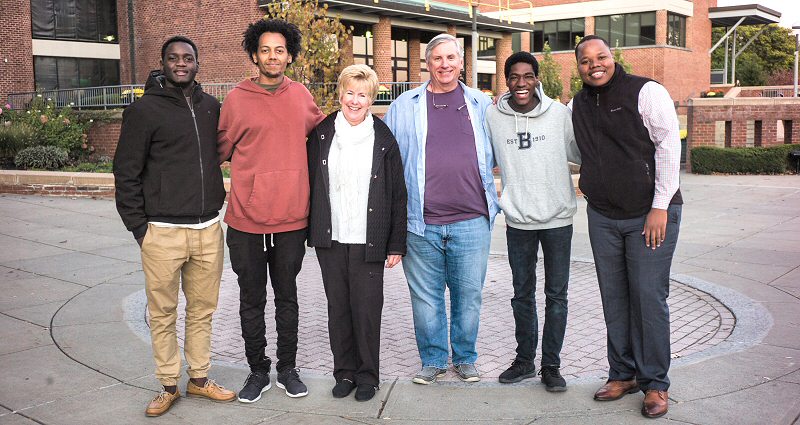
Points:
(633, 29)
(362, 44)
(485, 82)
(78, 20)
(56, 73)
(516, 42)
(486, 47)
(399, 55)
(676, 30)
(559, 34)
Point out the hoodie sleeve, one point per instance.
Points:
(129, 164)
(226, 130)
(573, 153)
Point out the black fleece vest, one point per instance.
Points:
(617, 154)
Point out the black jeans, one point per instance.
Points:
(251, 256)
(354, 289)
(523, 249)
(634, 286)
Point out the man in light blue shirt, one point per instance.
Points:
(452, 202)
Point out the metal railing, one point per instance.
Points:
(109, 97)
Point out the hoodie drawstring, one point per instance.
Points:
(265, 242)
(516, 127)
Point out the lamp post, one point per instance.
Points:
(796, 31)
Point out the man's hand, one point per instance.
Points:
(139, 241)
(392, 260)
(655, 228)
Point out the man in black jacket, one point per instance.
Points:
(627, 131)
(169, 192)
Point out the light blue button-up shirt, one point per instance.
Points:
(408, 119)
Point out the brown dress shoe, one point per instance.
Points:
(161, 403)
(655, 403)
(615, 390)
(211, 390)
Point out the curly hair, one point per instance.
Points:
(288, 30)
(178, 39)
(522, 56)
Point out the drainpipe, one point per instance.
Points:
(131, 42)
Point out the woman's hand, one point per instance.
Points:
(393, 260)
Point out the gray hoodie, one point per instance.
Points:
(532, 151)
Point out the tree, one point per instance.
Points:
(575, 81)
(550, 74)
(618, 58)
(772, 50)
(317, 65)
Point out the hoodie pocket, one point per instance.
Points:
(535, 203)
(278, 197)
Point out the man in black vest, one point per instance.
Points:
(628, 134)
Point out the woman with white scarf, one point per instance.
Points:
(357, 225)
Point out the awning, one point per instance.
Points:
(415, 10)
(753, 14)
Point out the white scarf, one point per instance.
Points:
(349, 175)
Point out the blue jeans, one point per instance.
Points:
(453, 255)
(523, 254)
(634, 286)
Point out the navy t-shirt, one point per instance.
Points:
(453, 187)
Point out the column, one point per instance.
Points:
(413, 56)
(502, 52)
(382, 48)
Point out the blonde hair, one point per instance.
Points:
(362, 74)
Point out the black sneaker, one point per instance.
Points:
(365, 392)
(256, 384)
(552, 379)
(517, 372)
(343, 388)
(289, 381)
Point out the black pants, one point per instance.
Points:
(354, 289)
(251, 256)
(634, 286)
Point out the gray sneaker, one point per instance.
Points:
(428, 375)
(467, 372)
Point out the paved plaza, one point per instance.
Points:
(74, 342)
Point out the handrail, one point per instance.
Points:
(109, 97)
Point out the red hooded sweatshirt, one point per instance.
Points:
(263, 134)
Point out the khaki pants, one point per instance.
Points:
(171, 256)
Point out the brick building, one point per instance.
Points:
(83, 43)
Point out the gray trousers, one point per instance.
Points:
(634, 286)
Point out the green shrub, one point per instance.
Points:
(756, 160)
(15, 137)
(56, 127)
(41, 157)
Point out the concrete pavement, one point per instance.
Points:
(74, 338)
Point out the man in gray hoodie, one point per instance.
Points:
(533, 139)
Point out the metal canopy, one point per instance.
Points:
(753, 14)
(437, 13)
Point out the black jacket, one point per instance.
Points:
(617, 154)
(386, 210)
(166, 166)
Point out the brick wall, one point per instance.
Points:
(16, 57)
(735, 113)
(503, 51)
(218, 40)
(104, 137)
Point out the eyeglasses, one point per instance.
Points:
(442, 106)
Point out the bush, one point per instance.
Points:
(42, 157)
(15, 137)
(56, 127)
(756, 160)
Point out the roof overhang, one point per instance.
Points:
(753, 14)
(410, 10)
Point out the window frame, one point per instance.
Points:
(607, 22)
(550, 32)
(675, 20)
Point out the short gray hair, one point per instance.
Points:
(440, 39)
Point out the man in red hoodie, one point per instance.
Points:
(262, 131)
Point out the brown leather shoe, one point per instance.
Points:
(211, 390)
(655, 403)
(161, 403)
(615, 390)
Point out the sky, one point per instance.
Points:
(790, 9)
